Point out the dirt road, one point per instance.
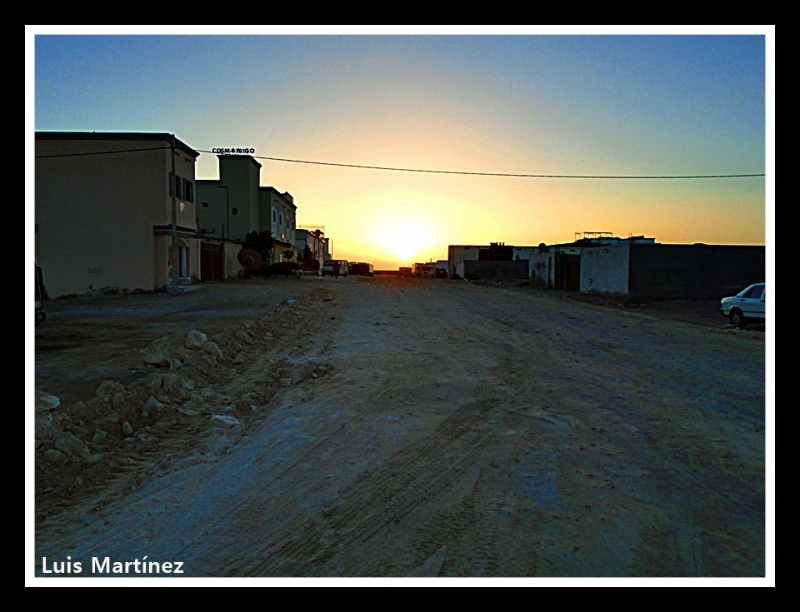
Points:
(409, 427)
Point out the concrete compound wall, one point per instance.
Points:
(494, 269)
(605, 269)
(693, 271)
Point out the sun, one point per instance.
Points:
(405, 239)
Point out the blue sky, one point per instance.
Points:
(598, 104)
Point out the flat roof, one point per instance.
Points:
(279, 194)
(165, 136)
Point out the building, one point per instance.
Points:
(104, 210)
(559, 266)
(316, 242)
(279, 217)
(228, 208)
(457, 254)
(487, 261)
(236, 204)
(671, 271)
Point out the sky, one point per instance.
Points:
(598, 104)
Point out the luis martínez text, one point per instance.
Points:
(104, 565)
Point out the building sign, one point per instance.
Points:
(232, 151)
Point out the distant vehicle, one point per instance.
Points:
(405, 271)
(328, 268)
(360, 268)
(746, 306)
(423, 269)
(41, 316)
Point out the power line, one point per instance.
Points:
(461, 172)
(427, 171)
(102, 152)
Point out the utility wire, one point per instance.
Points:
(426, 171)
(102, 152)
(571, 176)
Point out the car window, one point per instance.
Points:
(752, 292)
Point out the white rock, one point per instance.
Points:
(196, 339)
(71, 445)
(213, 349)
(118, 400)
(99, 436)
(108, 388)
(127, 429)
(46, 401)
(244, 336)
(157, 353)
(223, 420)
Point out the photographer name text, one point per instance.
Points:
(104, 565)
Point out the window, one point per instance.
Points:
(189, 192)
(274, 216)
(178, 192)
(205, 204)
(235, 211)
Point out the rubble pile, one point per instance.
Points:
(187, 395)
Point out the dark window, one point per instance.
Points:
(235, 211)
(178, 191)
(205, 204)
(274, 217)
(189, 191)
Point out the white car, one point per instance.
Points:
(746, 306)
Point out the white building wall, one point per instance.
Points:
(605, 269)
(542, 268)
(458, 254)
(230, 258)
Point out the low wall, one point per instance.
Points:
(693, 271)
(493, 269)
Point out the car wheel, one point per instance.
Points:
(737, 319)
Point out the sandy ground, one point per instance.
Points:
(400, 427)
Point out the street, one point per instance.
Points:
(420, 427)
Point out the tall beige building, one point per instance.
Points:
(104, 210)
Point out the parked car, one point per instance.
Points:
(746, 306)
(329, 267)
